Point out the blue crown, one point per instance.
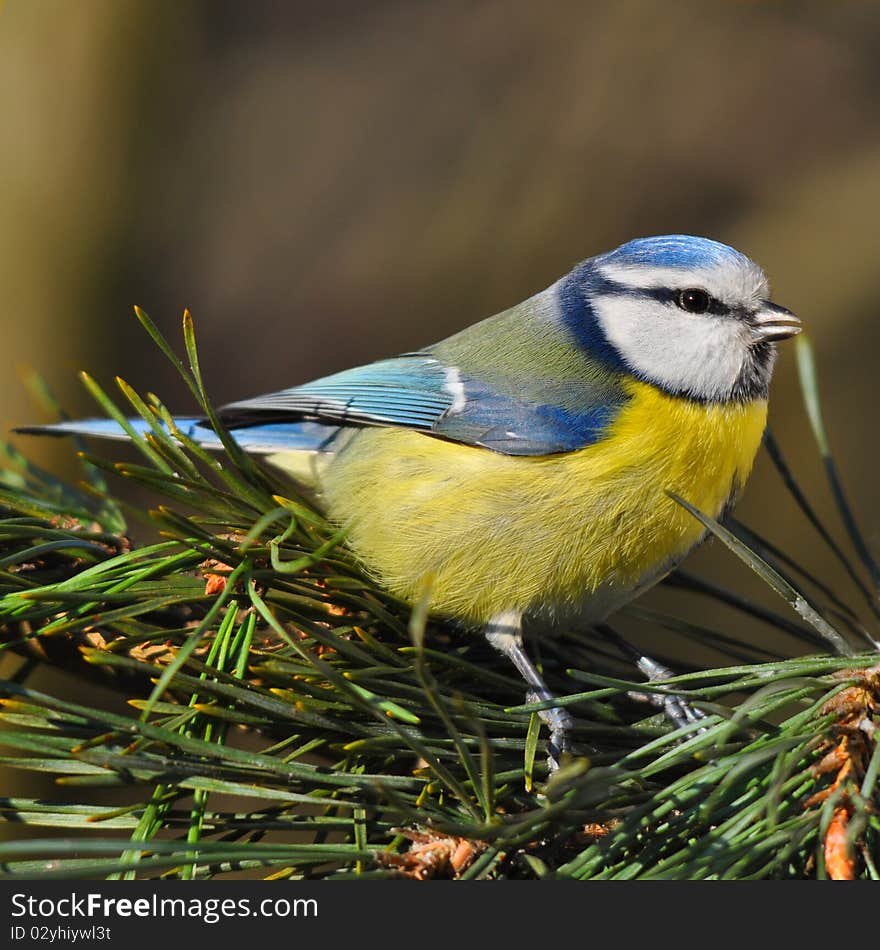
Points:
(675, 250)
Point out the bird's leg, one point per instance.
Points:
(504, 632)
(676, 709)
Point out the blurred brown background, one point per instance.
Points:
(327, 183)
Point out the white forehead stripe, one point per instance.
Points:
(731, 282)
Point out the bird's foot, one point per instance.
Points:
(559, 722)
(676, 709)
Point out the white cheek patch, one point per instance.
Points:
(700, 355)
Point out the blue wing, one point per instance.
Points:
(418, 391)
(406, 391)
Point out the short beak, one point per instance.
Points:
(772, 323)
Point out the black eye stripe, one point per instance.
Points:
(665, 295)
(602, 286)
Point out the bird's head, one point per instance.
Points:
(687, 314)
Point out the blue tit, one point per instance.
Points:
(519, 470)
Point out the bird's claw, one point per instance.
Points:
(676, 709)
(560, 722)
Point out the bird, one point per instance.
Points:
(519, 474)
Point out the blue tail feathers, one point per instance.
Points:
(259, 439)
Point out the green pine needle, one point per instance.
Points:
(290, 719)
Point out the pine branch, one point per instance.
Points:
(364, 739)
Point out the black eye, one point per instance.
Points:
(693, 300)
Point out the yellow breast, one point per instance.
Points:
(491, 532)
